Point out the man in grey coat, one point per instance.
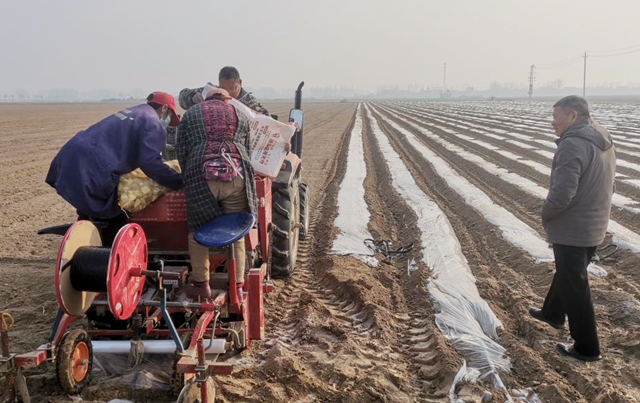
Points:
(575, 216)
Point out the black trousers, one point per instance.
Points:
(113, 225)
(570, 294)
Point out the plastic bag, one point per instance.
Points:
(268, 139)
(136, 191)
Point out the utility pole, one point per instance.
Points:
(531, 78)
(444, 79)
(584, 77)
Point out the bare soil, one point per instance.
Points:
(339, 330)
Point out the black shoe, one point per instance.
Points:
(537, 314)
(570, 351)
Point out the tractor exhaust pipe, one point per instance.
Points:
(298, 101)
(296, 142)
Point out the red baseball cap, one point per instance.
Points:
(164, 98)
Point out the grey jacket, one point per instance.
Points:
(577, 209)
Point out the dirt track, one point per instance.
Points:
(339, 330)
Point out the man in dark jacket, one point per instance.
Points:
(575, 216)
(87, 169)
(229, 80)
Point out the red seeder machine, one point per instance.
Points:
(129, 298)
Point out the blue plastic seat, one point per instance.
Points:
(224, 230)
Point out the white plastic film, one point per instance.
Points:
(514, 230)
(353, 214)
(464, 318)
(622, 236)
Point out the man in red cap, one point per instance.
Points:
(87, 169)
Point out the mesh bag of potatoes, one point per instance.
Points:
(136, 191)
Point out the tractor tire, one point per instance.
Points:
(286, 231)
(191, 392)
(305, 212)
(74, 361)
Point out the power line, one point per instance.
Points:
(571, 63)
(561, 65)
(562, 61)
(576, 58)
(617, 54)
(614, 50)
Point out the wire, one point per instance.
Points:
(617, 54)
(567, 63)
(599, 53)
(613, 50)
(551, 65)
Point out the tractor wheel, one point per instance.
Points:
(286, 231)
(74, 361)
(304, 210)
(191, 392)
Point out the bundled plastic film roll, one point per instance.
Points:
(136, 191)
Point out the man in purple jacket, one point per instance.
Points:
(87, 169)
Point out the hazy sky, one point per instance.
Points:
(159, 44)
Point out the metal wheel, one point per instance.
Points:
(179, 380)
(74, 361)
(191, 393)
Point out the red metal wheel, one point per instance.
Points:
(80, 361)
(74, 361)
(124, 289)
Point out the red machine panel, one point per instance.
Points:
(165, 222)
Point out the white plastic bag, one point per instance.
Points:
(268, 139)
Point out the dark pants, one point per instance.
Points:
(569, 294)
(108, 227)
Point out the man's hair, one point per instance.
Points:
(229, 73)
(153, 104)
(574, 103)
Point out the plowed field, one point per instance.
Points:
(342, 330)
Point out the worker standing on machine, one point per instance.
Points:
(87, 169)
(228, 80)
(213, 151)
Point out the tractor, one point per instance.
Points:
(129, 298)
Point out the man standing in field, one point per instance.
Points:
(575, 216)
(229, 80)
(87, 169)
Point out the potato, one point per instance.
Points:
(136, 191)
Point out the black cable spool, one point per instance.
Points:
(89, 268)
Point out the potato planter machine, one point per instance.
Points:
(129, 298)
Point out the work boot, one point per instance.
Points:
(537, 314)
(199, 289)
(569, 350)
